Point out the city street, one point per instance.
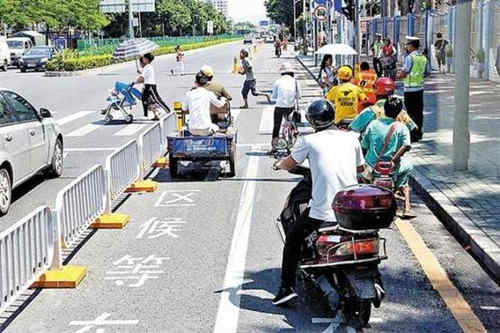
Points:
(205, 256)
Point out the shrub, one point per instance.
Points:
(70, 60)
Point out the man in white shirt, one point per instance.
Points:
(150, 94)
(286, 94)
(197, 104)
(335, 157)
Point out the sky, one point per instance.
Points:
(247, 10)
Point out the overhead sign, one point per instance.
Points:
(121, 6)
(321, 13)
(264, 23)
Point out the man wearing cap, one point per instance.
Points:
(286, 93)
(413, 76)
(377, 50)
(218, 89)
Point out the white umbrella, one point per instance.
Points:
(337, 49)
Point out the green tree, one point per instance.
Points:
(281, 11)
(175, 16)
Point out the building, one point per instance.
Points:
(221, 6)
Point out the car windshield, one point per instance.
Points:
(38, 52)
(15, 44)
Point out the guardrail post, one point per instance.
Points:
(142, 185)
(108, 220)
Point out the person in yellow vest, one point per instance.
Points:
(365, 79)
(346, 96)
(413, 76)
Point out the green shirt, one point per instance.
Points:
(374, 138)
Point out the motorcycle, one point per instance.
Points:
(388, 64)
(277, 51)
(340, 260)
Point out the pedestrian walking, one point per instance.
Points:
(376, 52)
(440, 47)
(413, 74)
(326, 76)
(150, 96)
(179, 59)
(286, 93)
(250, 84)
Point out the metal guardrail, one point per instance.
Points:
(150, 144)
(168, 127)
(122, 168)
(26, 252)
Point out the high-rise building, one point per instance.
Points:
(221, 6)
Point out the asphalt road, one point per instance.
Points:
(203, 256)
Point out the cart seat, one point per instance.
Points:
(327, 225)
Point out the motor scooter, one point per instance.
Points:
(341, 259)
(277, 51)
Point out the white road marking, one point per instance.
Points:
(177, 199)
(89, 149)
(130, 130)
(65, 155)
(490, 308)
(266, 121)
(72, 117)
(229, 306)
(82, 131)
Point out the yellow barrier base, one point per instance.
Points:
(111, 221)
(162, 162)
(67, 277)
(143, 186)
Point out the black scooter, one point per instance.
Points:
(340, 260)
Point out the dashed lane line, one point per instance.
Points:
(229, 306)
(457, 305)
(266, 120)
(82, 131)
(130, 130)
(73, 117)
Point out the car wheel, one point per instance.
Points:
(23, 70)
(5, 66)
(129, 119)
(5, 191)
(108, 118)
(232, 162)
(173, 164)
(57, 164)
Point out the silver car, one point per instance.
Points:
(30, 142)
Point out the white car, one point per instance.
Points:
(18, 46)
(30, 142)
(4, 54)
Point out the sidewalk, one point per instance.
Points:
(468, 203)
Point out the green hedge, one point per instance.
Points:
(69, 61)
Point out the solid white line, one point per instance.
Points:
(229, 306)
(130, 130)
(266, 121)
(490, 308)
(82, 131)
(72, 117)
(89, 149)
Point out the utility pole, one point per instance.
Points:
(295, 22)
(304, 34)
(357, 31)
(130, 20)
(461, 135)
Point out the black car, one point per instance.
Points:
(36, 58)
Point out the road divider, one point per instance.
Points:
(31, 251)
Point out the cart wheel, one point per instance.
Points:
(108, 118)
(129, 118)
(232, 161)
(173, 167)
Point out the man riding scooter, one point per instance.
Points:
(218, 115)
(197, 105)
(346, 97)
(387, 140)
(330, 174)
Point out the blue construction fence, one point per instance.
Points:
(485, 36)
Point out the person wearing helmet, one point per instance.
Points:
(330, 172)
(286, 94)
(346, 96)
(389, 129)
(197, 103)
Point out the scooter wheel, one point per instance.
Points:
(108, 118)
(129, 119)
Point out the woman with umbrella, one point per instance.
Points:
(150, 96)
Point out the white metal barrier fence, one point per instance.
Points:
(168, 127)
(122, 168)
(77, 206)
(150, 144)
(26, 252)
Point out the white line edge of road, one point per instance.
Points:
(229, 306)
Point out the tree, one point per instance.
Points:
(281, 11)
(175, 16)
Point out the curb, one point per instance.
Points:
(307, 69)
(486, 252)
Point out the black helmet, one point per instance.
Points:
(320, 114)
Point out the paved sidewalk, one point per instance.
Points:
(468, 203)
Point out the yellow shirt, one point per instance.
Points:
(346, 98)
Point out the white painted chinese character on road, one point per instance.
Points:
(155, 228)
(136, 269)
(100, 321)
(177, 198)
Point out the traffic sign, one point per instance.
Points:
(120, 6)
(321, 13)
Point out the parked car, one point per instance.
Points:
(4, 54)
(18, 47)
(248, 39)
(31, 142)
(269, 39)
(36, 58)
